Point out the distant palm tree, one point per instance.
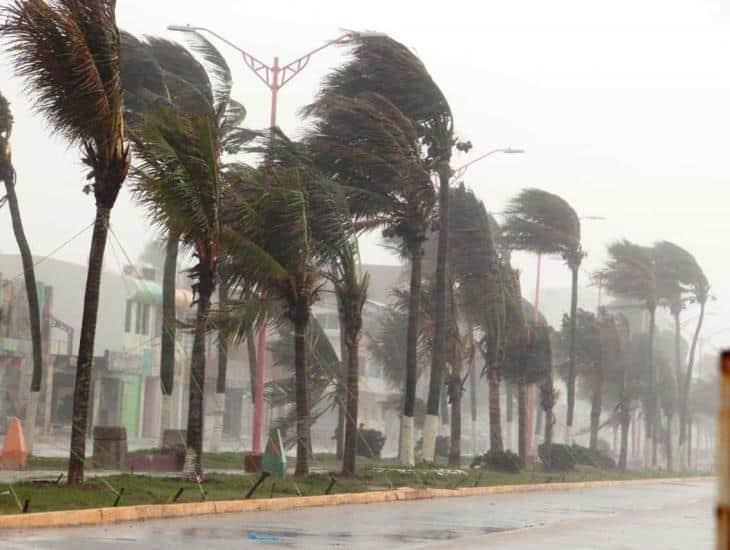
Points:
(381, 125)
(68, 53)
(684, 282)
(7, 174)
(631, 273)
(544, 223)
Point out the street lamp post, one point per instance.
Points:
(274, 77)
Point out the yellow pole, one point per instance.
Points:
(723, 456)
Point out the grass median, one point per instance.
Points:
(44, 495)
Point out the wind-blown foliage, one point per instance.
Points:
(67, 52)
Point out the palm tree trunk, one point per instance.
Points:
(301, 321)
(596, 406)
(353, 382)
(167, 341)
(509, 415)
(522, 421)
(685, 387)
(86, 347)
(473, 407)
(455, 393)
(495, 420)
(655, 420)
(34, 314)
(220, 386)
(625, 425)
(406, 451)
(668, 443)
(571, 354)
(251, 352)
(341, 400)
(438, 352)
(196, 411)
(548, 402)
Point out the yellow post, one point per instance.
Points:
(723, 455)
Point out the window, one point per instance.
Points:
(128, 318)
(142, 325)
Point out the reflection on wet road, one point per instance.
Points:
(664, 515)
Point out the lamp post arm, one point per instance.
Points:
(293, 68)
(259, 68)
(459, 172)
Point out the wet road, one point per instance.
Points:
(663, 516)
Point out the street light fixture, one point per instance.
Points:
(461, 170)
(274, 77)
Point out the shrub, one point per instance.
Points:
(500, 461)
(370, 443)
(561, 458)
(589, 457)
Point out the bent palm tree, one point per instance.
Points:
(631, 273)
(68, 54)
(544, 223)
(351, 290)
(7, 174)
(371, 119)
(286, 221)
(690, 285)
(180, 182)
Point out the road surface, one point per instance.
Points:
(663, 516)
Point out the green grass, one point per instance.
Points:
(140, 489)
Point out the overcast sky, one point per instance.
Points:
(623, 108)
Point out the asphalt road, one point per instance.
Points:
(662, 516)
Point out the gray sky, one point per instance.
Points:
(622, 106)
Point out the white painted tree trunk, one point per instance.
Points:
(30, 415)
(407, 455)
(647, 452)
(219, 403)
(165, 416)
(430, 431)
(508, 433)
(189, 472)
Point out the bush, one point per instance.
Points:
(500, 461)
(370, 443)
(588, 457)
(561, 458)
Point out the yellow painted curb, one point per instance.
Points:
(96, 516)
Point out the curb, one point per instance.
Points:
(98, 516)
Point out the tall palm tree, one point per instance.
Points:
(68, 53)
(7, 174)
(686, 283)
(286, 222)
(630, 272)
(350, 287)
(181, 182)
(379, 125)
(159, 72)
(544, 223)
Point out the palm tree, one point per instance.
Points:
(159, 72)
(544, 223)
(379, 121)
(631, 273)
(7, 174)
(68, 54)
(589, 363)
(682, 281)
(350, 287)
(286, 221)
(181, 183)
